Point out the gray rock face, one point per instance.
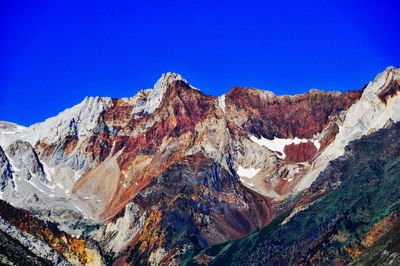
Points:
(26, 160)
(6, 176)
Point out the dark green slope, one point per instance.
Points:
(354, 194)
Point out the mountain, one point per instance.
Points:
(173, 176)
(350, 214)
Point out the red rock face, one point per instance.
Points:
(301, 115)
(302, 152)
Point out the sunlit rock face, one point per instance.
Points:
(171, 169)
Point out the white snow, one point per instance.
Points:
(247, 172)
(221, 102)
(278, 144)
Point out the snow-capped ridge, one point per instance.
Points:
(278, 144)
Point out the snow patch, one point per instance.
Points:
(247, 172)
(278, 144)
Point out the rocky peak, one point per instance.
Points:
(382, 80)
(168, 79)
(391, 84)
(79, 120)
(26, 160)
(149, 100)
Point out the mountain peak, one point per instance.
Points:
(384, 78)
(168, 78)
(151, 98)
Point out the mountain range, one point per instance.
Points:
(172, 176)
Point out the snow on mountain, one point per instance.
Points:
(278, 144)
(247, 172)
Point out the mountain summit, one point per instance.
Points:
(162, 177)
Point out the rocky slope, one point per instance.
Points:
(350, 214)
(41, 242)
(172, 171)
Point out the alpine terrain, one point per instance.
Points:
(172, 176)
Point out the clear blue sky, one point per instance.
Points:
(53, 54)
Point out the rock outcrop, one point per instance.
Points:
(6, 177)
(26, 160)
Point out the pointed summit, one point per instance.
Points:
(152, 98)
(167, 79)
(384, 78)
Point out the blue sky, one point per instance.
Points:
(53, 54)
